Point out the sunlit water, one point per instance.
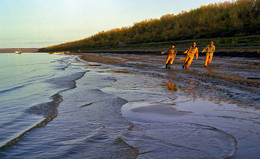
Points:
(58, 106)
(29, 92)
(23, 84)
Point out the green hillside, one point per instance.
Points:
(219, 20)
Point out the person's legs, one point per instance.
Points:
(185, 62)
(189, 62)
(210, 59)
(206, 60)
(167, 62)
(172, 59)
(168, 59)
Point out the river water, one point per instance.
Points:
(127, 106)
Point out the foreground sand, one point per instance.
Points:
(206, 112)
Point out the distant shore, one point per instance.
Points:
(12, 50)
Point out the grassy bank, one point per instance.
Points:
(219, 20)
(247, 46)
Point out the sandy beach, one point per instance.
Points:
(211, 112)
(227, 78)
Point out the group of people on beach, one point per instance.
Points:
(191, 52)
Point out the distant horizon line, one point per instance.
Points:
(20, 48)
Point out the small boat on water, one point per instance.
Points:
(18, 52)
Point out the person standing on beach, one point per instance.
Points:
(193, 50)
(209, 49)
(172, 51)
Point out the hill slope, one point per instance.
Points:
(215, 20)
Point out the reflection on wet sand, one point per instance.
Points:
(209, 69)
(160, 109)
(171, 86)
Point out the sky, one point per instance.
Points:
(41, 23)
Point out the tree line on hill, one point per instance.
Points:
(226, 19)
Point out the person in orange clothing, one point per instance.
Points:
(172, 51)
(209, 49)
(193, 50)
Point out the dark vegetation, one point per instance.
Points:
(215, 21)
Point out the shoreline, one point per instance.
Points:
(23, 50)
(218, 70)
(239, 52)
(222, 50)
(244, 46)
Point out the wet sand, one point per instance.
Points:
(235, 80)
(199, 112)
